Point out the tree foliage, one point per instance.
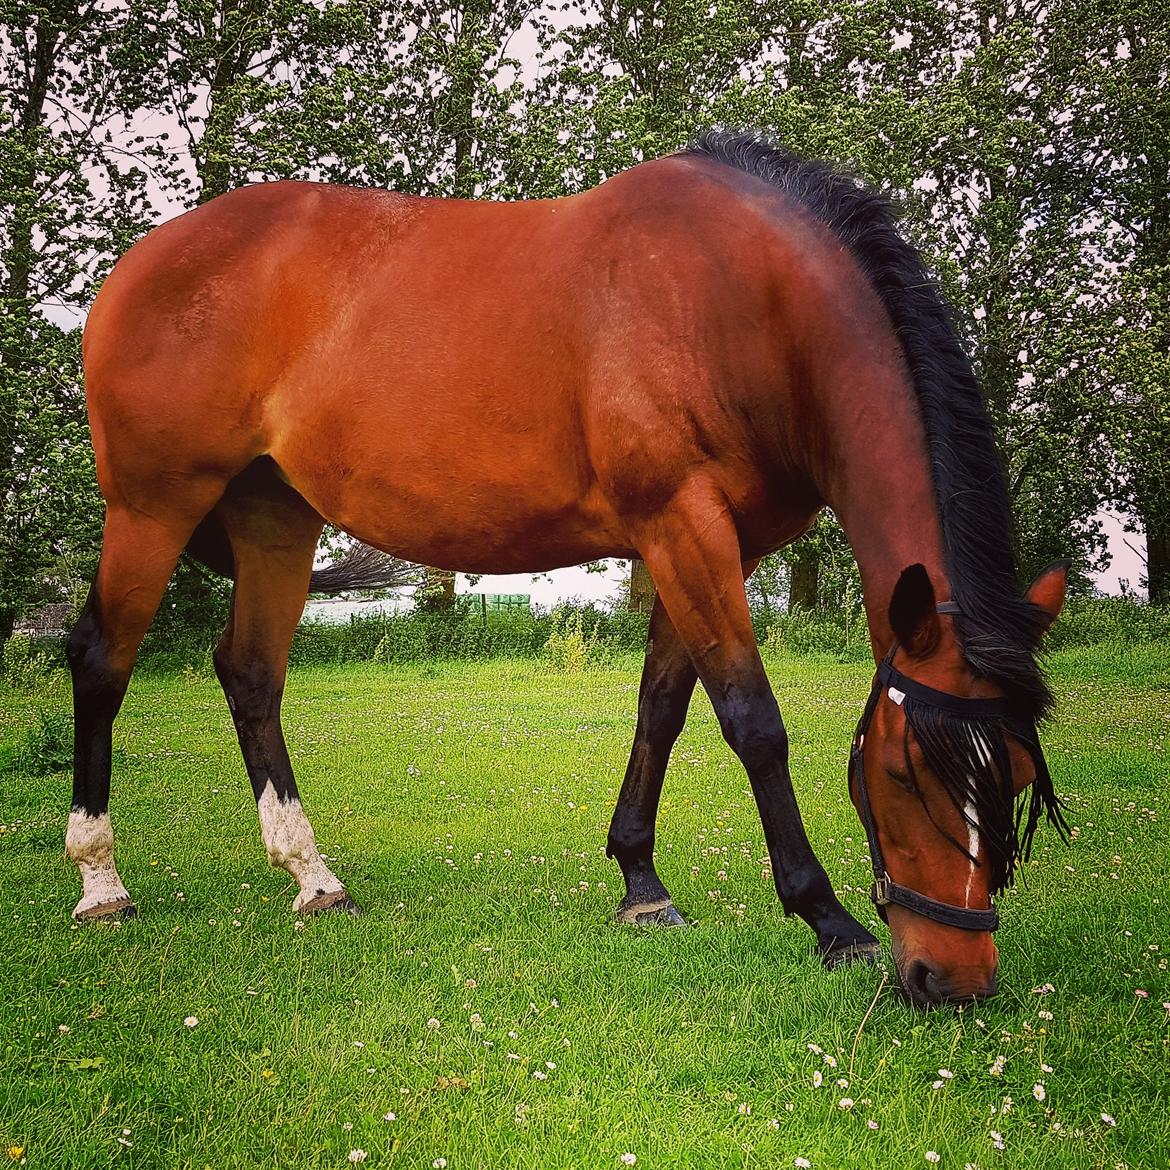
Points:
(1023, 140)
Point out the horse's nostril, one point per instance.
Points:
(919, 981)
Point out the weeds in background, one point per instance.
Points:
(570, 647)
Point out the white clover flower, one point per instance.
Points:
(743, 1108)
(356, 1156)
(931, 1156)
(871, 1124)
(946, 1074)
(997, 1066)
(539, 1075)
(997, 1139)
(845, 1103)
(1108, 1120)
(191, 1022)
(628, 1159)
(801, 1163)
(388, 1116)
(1039, 1092)
(63, 1029)
(433, 1024)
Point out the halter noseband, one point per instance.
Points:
(885, 890)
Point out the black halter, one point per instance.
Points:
(885, 889)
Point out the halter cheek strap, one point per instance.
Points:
(885, 890)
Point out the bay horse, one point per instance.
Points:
(685, 365)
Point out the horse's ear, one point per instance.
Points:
(1047, 592)
(913, 617)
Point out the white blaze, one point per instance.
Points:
(89, 844)
(984, 751)
(291, 846)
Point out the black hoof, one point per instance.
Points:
(335, 902)
(846, 954)
(649, 914)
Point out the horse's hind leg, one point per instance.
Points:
(273, 534)
(668, 679)
(692, 552)
(138, 556)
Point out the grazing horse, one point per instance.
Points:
(685, 365)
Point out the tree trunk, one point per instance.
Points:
(439, 589)
(642, 591)
(804, 584)
(1157, 558)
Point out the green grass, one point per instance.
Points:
(466, 807)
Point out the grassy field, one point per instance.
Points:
(487, 1013)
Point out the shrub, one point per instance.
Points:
(47, 746)
(813, 633)
(570, 647)
(1087, 621)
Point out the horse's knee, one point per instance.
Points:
(252, 689)
(98, 688)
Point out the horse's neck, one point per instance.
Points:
(879, 485)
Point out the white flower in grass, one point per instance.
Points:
(433, 1024)
(818, 1079)
(388, 1116)
(191, 1022)
(1111, 1121)
(937, 1084)
(356, 1156)
(540, 1076)
(871, 1124)
(743, 1108)
(774, 1123)
(439, 1164)
(845, 1103)
(63, 1029)
(997, 1139)
(1039, 1092)
(801, 1163)
(997, 1066)
(931, 1156)
(946, 1074)
(628, 1159)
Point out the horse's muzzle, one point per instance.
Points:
(925, 986)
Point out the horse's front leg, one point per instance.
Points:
(693, 555)
(668, 679)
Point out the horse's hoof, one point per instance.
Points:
(650, 914)
(120, 910)
(835, 956)
(334, 901)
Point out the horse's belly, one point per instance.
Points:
(451, 490)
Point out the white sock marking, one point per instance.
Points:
(291, 846)
(89, 844)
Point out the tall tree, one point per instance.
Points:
(71, 198)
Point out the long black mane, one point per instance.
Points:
(998, 628)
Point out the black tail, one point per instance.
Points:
(362, 567)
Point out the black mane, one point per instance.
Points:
(998, 628)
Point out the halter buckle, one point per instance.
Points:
(880, 894)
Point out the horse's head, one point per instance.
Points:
(940, 758)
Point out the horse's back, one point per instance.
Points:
(505, 369)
